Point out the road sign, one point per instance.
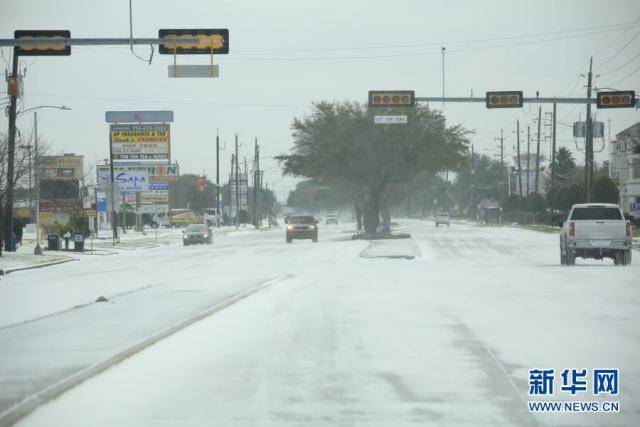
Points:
(194, 71)
(210, 41)
(504, 99)
(390, 120)
(580, 129)
(392, 98)
(616, 99)
(42, 49)
(138, 116)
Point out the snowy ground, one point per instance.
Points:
(446, 338)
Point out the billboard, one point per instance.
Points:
(61, 167)
(242, 192)
(139, 142)
(157, 176)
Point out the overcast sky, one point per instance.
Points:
(286, 54)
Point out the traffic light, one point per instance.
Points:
(392, 98)
(505, 99)
(210, 41)
(617, 99)
(42, 49)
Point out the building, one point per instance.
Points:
(624, 169)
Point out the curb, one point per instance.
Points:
(23, 408)
(4, 272)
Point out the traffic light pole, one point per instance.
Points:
(11, 148)
(217, 179)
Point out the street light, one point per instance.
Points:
(38, 249)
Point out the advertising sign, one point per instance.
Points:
(159, 175)
(60, 205)
(132, 180)
(140, 143)
(138, 116)
(61, 167)
(242, 192)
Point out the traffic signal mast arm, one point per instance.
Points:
(483, 100)
(53, 41)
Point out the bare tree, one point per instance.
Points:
(24, 165)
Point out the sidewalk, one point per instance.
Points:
(24, 259)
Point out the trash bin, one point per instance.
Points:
(78, 242)
(53, 243)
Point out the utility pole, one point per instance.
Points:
(217, 179)
(538, 150)
(11, 147)
(528, 154)
(37, 250)
(588, 164)
(501, 167)
(231, 184)
(443, 50)
(256, 169)
(553, 148)
(237, 184)
(518, 157)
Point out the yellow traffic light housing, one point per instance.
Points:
(616, 99)
(505, 99)
(210, 42)
(45, 49)
(392, 98)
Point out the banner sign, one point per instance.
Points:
(140, 143)
(60, 205)
(61, 167)
(132, 180)
(158, 174)
(138, 116)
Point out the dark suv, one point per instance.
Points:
(302, 227)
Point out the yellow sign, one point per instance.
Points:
(90, 213)
(140, 136)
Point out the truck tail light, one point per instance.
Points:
(629, 231)
(572, 229)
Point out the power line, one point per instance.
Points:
(620, 50)
(624, 78)
(206, 104)
(622, 66)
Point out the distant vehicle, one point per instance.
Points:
(442, 219)
(302, 227)
(331, 218)
(160, 219)
(595, 231)
(197, 233)
(212, 215)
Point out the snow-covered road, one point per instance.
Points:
(446, 338)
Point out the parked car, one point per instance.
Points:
(442, 219)
(197, 233)
(595, 230)
(302, 227)
(332, 218)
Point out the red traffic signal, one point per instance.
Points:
(616, 99)
(505, 99)
(210, 41)
(392, 98)
(45, 49)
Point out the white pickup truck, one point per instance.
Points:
(595, 230)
